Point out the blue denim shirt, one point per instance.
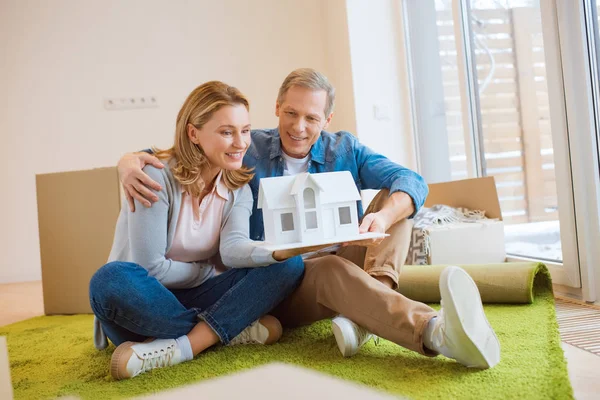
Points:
(339, 151)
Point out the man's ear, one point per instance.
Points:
(328, 121)
(192, 133)
(277, 109)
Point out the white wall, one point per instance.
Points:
(380, 78)
(337, 47)
(61, 58)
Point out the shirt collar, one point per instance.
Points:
(219, 187)
(317, 151)
(275, 145)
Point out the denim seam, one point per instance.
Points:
(224, 337)
(215, 326)
(105, 311)
(410, 186)
(154, 332)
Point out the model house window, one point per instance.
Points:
(309, 198)
(287, 222)
(311, 220)
(345, 217)
(310, 208)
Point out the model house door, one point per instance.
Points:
(328, 222)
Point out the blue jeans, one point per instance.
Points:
(133, 306)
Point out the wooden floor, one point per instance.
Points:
(20, 301)
(579, 324)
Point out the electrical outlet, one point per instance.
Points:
(128, 103)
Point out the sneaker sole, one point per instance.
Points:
(458, 288)
(278, 331)
(340, 339)
(115, 360)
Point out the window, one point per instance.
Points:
(515, 123)
(311, 220)
(489, 79)
(287, 222)
(309, 198)
(310, 208)
(593, 18)
(511, 89)
(345, 217)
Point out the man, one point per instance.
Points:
(343, 284)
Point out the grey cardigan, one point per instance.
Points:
(145, 237)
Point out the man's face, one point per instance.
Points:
(301, 119)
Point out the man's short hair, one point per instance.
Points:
(311, 79)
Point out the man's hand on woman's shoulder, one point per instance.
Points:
(136, 183)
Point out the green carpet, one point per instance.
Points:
(53, 355)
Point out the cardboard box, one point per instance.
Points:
(77, 213)
(6, 390)
(464, 243)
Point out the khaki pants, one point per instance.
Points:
(343, 284)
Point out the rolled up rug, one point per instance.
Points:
(515, 283)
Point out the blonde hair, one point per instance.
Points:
(311, 79)
(188, 160)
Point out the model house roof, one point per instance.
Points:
(334, 187)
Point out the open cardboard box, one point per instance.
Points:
(467, 243)
(77, 213)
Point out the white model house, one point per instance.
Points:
(309, 208)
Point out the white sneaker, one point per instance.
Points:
(461, 330)
(349, 336)
(132, 359)
(266, 330)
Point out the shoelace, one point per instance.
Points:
(439, 334)
(157, 359)
(245, 337)
(362, 334)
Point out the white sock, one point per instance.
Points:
(428, 335)
(186, 347)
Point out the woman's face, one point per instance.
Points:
(225, 137)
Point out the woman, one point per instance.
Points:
(160, 282)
